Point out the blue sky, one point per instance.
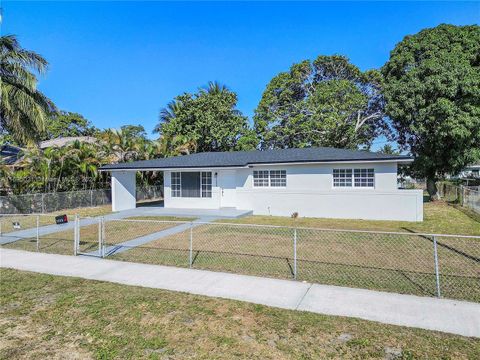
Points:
(121, 62)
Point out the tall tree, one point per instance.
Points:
(432, 88)
(205, 121)
(327, 102)
(134, 131)
(23, 109)
(65, 124)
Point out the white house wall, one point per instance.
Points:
(310, 192)
(123, 190)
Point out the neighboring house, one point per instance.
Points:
(9, 154)
(472, 171)
(68, 140)
(315, 182)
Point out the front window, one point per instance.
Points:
(270, 178)
(363, 178)
(278, 178)
(342, 177)
(191, 184)
(176, 184)
(206, 183)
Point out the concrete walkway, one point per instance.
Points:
(142, 240)
(456, 317)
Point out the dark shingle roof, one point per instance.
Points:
(9, 154)
(245, 158)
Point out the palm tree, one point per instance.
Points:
(121, 146)
(23, 109)
(167, 114)
(214, 88)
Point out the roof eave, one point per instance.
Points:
(226, 167)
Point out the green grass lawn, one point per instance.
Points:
(44, 316)
(439, 218)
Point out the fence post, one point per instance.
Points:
(101, 248)
(75, 235)
(100, 236)
(38, 229)
(295, 254)
(91, 197)
(437, 274)
(190, 255)
(43, 203)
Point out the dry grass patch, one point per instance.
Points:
(439, 218)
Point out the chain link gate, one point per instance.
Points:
(89, 238)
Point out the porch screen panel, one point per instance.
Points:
(190, 184)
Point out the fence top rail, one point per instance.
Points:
(298, 228)
(53, 193)
(31, 214)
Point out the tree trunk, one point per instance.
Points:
(432, 188)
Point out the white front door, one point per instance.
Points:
(228, 188)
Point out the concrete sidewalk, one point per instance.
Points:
(456, 317)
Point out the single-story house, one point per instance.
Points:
(313, 182)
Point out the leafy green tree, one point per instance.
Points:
(432, 89)
(205, 121)
(327, 102)
(23, 109)
(389, 150)
(64, 124)
(134, 131)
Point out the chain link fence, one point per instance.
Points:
(410, 263)
(51, 202)
(465, 196)
(37, 232)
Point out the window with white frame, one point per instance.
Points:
(191, 184)
(364, 177)
(176, 184)
(260, 178)
(269, 178)
(206, 184)
(278, 178)
(342, 177)
(354, 178)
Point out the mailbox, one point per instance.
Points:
(61, 219)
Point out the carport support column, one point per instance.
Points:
(123, 190)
